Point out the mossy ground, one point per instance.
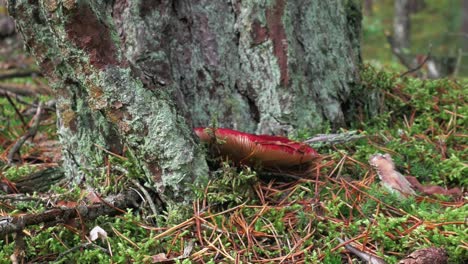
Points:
(240, 216)
(436, 25)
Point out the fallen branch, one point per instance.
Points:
(366, 257)
(21, 198)
(40, 181)
(333, 139)
(147, 197)
(19, 74)
(17, 97)
(111, 206)
(25, 90)
(11, 94)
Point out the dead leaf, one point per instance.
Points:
(391, 179)
(67, 204)
(433, 189)
(160, 258)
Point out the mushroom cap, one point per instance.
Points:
(250, 149)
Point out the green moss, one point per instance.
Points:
(17, 172)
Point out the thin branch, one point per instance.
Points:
(16, 110)
(31, 133)
(407, 61)
(25, 89)
(19, 74)
(368, 258)
(428, 56)
(22, 197)
(333, 139)
(17, 97)
(147, 196)
(81, 246)
(111, 207)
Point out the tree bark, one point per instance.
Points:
(136, 76)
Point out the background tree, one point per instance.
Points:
(134, 77)
(464, 25)
(7, 25)
(402, 24)
(368, 5)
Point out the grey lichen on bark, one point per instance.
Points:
(264, 66)
(142, 73)
(154, 131)
(257, 66)
(101, 100)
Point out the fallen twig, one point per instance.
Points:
(19, 252)
(333, 139)
(21, 198)
(110, 206)
(147, 196)
(368, 258)
(19, 74)
(25, 90)
(16, 110)
(81, 246)
(31, 133)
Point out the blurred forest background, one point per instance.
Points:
(438, 27)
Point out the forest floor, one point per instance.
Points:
(334, 214)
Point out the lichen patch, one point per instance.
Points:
(96, 98)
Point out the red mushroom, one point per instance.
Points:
(270, 152)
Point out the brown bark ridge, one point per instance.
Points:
(141, 73)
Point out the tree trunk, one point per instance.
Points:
(136, 76)
(401, 24)
(415, 6)
(7, 25)
(368, 7)
(464, 26)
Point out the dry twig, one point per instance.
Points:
(31, 133)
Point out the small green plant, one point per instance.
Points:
(230, 186)
(14, 173)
